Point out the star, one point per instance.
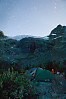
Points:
(55, 7)
(55, 3)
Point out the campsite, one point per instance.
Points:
(32, 49)
(33, 68)
(49, 85)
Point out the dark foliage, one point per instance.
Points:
(16, 86)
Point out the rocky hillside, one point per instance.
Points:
(32, 52)
(58, 38)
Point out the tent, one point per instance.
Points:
(39, 74)
(31, 73)
(42, 75)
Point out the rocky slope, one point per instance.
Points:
(32, 52)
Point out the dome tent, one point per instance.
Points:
(42, 75)
(39, 74)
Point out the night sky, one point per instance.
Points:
(31, 17)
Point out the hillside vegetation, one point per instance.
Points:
(33, 52)
(16, 56)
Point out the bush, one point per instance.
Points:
(56, 65)
(16, 86)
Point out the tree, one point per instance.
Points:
(1, 33)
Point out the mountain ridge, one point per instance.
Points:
(19, 37)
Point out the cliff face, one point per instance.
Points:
(58, 38)
(33, 52)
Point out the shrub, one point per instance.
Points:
(16, 86)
